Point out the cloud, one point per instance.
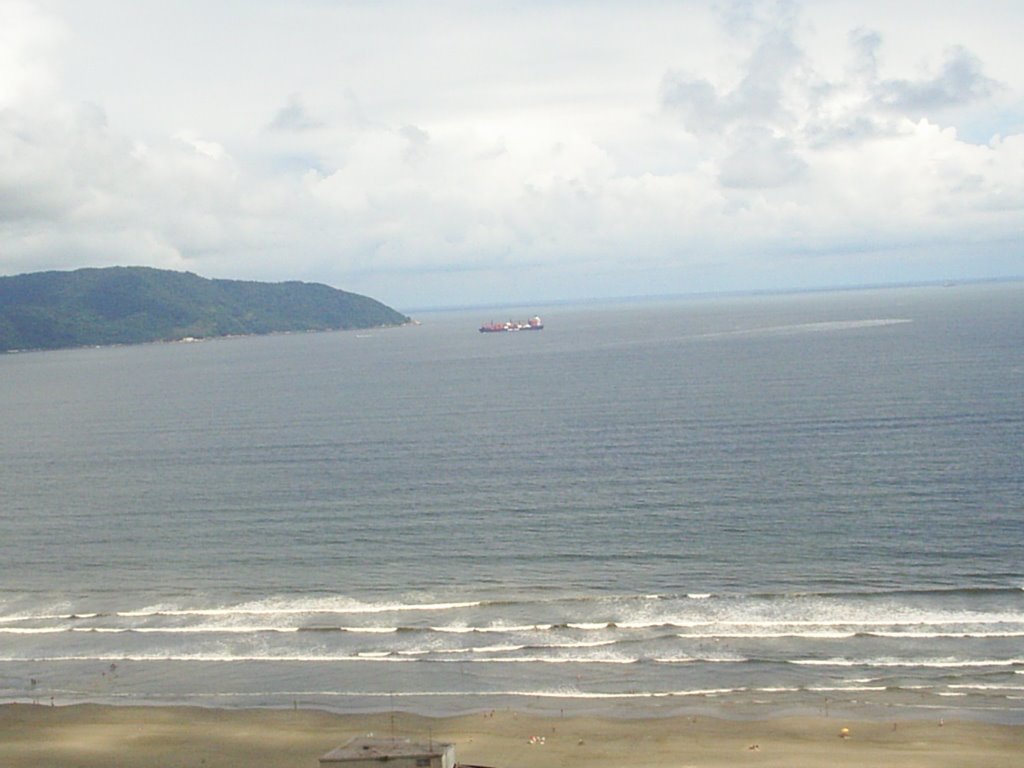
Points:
(73, 191)
(29, 38)
(759, 96)
(866, 105)
(961, 81)
(418, 141)
(772, 123)
(293, 117)
(633, 151)
(865, 44)
(760, 160)
(748, 122)
(778, 87)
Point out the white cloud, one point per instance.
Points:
(760, 159)
(468, 153)
(293, 117)
(29, 39)
(960, 81)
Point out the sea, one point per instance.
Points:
(744, 506)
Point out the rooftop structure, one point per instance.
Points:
(397, 753)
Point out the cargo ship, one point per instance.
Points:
(533, 324)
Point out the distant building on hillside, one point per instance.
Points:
(397, 753)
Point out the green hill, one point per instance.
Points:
(130, 305)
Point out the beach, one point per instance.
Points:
(89, 735)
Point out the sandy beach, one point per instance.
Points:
(94, 735)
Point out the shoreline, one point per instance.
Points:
(870, 705)
(89, 735)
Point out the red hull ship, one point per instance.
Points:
(533, 324)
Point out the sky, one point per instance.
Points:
(472, 153)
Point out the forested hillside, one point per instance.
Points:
(128, 305)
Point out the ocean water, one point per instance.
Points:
(743, 506)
